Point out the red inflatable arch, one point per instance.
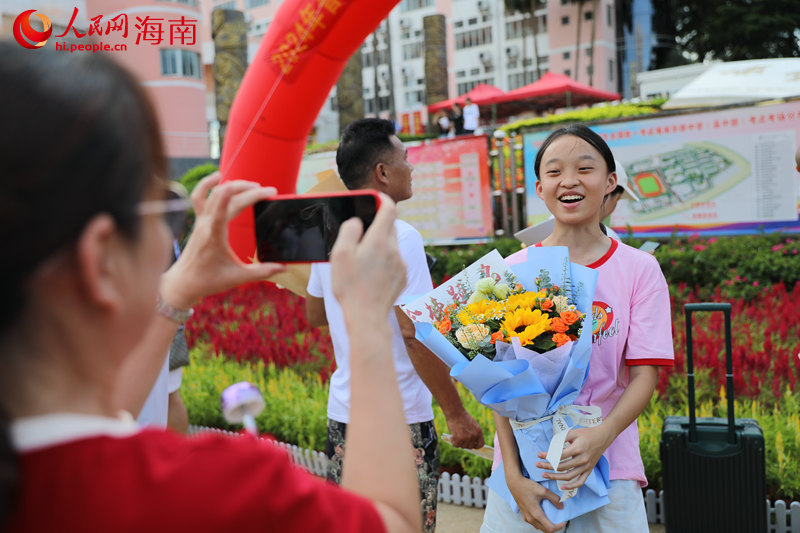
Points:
(300, 58)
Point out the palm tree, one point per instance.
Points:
(591, 43)
(522, 7)
(578, 36)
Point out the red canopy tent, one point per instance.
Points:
(551, 91)
(477, 94)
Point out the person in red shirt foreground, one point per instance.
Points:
(82, 194)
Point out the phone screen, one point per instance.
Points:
(303, 230)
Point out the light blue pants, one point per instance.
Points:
(625, 514)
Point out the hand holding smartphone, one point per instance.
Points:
(302, 228)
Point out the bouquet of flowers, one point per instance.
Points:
(541, 320)
(514, 337)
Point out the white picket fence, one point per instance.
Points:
(472, 492)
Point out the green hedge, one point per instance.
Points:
(295, 412)
(739, 265)
(593, 114)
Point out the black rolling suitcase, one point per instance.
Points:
(713, 468)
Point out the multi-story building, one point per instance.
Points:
(158, 41)
(484, 44)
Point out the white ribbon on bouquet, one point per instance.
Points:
(584, 416)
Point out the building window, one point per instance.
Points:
(589, 52)
(415, 97)
(475, 71)
(175, 62)
(186, 2)
(564, 21)
(609, 14)
(587, 15)
(472, 21)
(255, 3)
(610, 70)
(467, 86)
(461, 74)
(226, 5)
(590, 70)
(458, 23)
(514, 29)
(470, 38)
(568, 73)
(413, 50)
(564, 2)
(410, 5)
(566, 55)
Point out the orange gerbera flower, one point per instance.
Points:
(560, 339)
(569, 317)
(444, 326)
(547, 304)
(558, 325)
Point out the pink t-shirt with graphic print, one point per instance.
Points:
(631, 325)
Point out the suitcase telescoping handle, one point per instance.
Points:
(725, 308)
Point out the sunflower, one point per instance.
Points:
(480, 312)
(527, 324)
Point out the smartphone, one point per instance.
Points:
(294, 228)
(649, 246)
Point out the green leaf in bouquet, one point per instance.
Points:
(544, 343)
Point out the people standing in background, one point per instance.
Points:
(457, 119)
(472, 116)
(442, 123)
(370, 156)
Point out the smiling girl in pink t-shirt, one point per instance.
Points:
(631, 335)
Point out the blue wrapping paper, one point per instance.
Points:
(524, 386)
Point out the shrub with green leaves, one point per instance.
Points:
(195, 174)
(296, 406)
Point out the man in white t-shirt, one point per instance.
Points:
(370, 156)
(472, 116)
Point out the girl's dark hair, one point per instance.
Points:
(363, 144)
(582, 132)
(78, 137)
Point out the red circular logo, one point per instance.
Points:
(26, 35)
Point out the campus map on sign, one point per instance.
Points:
(681, 179)
(724, 172)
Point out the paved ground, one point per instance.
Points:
(459, 519)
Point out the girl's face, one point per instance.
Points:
(573, 180)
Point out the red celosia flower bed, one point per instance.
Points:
(261, 321)
(766, 341)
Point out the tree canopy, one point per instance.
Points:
(732, 30)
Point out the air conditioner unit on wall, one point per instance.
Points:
(485, 58)
(484, 6)
(512, 51)
(405, 23)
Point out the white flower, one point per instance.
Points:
(485, 285)
(501, 291)
(476, 297)
(561, 303)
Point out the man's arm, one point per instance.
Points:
(315, 312)
(434, 373)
